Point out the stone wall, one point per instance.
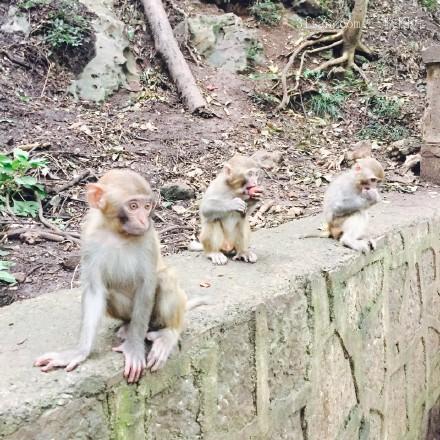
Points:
(349, 350)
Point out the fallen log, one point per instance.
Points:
(167, 46)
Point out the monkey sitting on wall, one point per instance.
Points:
(347, 200)
(225, 209)
(122, 272)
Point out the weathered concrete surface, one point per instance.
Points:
(313, 342)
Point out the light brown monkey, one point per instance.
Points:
(123, 272)
(225, 210)
(347, 200)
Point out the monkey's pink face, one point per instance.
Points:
(252, 190)
(134, 215)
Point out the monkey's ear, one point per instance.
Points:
(95, 193)
(227, 169)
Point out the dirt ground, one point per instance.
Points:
(156, 137)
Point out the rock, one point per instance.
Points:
(308, 8)
(177, 191)
(225, 42)
(16, 22)
(20, 277)
(113, 66)
(71, 261)
(267, 159)
(359, 150)
(399, 150)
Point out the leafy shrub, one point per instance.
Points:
(327, 104)
(18, 183)
(267, 12)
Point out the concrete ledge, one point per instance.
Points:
(312, 342)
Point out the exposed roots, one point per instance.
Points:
(335, 39)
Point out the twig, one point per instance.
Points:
(49, 225)
(173, 227)
(38, 234)
(45, 81)
(18, 61)
(73, 182)
(73, 276)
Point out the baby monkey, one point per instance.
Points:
(225, 210)
(123, 273)
(347, 200)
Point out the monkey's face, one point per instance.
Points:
(253, 179)
(134, 214)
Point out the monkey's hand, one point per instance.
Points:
(163, 343)
(255, 192)
(238, 204)
(135, 363)
(69, 359)
(372, 195)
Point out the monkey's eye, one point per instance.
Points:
(148, 206)
(373, 180)
(133, 206)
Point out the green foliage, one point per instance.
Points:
(254, 52)
(327, 104)
(313, 74)
(384, 107)
(5, 275)
(63, 33)
(267, 12)
(431, 5)
(17, 183)
(29, 4)
(388, 132)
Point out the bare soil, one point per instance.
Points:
(152, 134)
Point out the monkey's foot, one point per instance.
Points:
(248, 257)
(69, 359)
(134, 360)
(218, 258)
(164, 342)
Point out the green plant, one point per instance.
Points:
(254, 52)
(19, 184)
(384, 107)
(313, 74)
(327, 104)
(431, 5)
(267, 12)
(29, 4)
(65, 26)
(388, 132)
(62, 33)
(5, 275)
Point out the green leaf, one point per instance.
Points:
(26, 181)
(25, 208)
(7, 277)
(20, 154)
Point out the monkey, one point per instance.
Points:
(225, 209)
(346, 201)
(122, 272)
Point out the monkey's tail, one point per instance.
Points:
(323, 234)
(198, 301)
(195, 246)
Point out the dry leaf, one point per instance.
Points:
(205, 284)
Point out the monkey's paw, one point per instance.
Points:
(218, 258)
(164, 342)
(135, 363)
(69, 359)
(239, 205)
(247, 257)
